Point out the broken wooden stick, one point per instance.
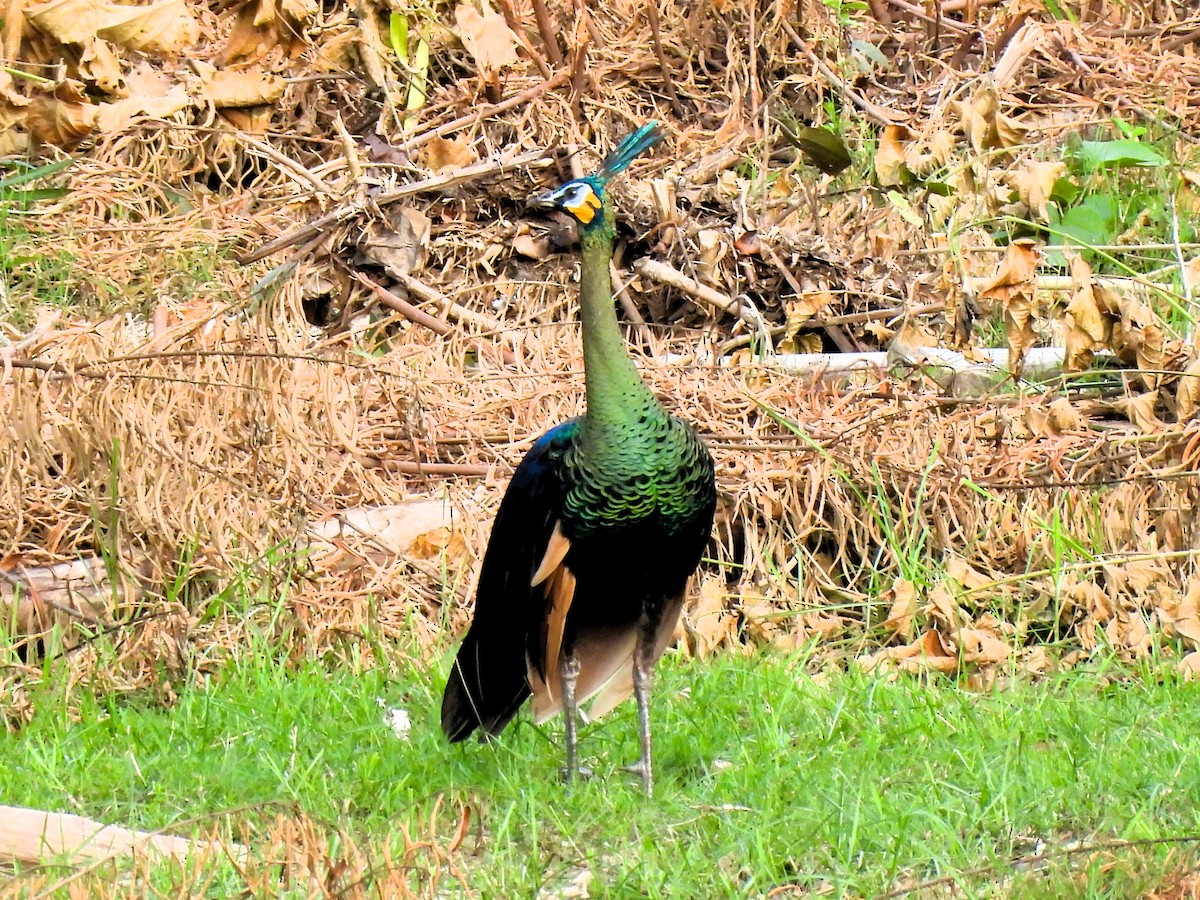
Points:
(665, 274)
(35, 836)
(308, 231)
(418, 316)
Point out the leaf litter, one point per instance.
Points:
(309, 439)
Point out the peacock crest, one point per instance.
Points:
(583, 198)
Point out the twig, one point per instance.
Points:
(578, 70)
(665, 274)
(438, 182)
(486, 112)
(844, 342)
(871, 315)
(1182, 41)
(454, 310)
(289, 164)
(621, 292)
(415, 467)
(656, 36)
(514, 25)
(418, 316)
(917, 13)
(874, 111)
(546, 30)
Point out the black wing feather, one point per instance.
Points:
(488, 682)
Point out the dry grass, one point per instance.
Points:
(199, 441)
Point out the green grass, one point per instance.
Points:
(766, 776)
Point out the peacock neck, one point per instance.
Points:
(616, 393)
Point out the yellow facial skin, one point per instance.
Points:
(586, 207)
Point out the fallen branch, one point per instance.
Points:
(454, 310)
(418, 316)
(306, 232)
(35, 836)
(665, 274)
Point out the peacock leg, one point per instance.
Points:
(643, 668)
(568, 673)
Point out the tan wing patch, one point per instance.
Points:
(558, 584)
(556, 552)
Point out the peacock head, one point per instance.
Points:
(583, 199)
(580, 198)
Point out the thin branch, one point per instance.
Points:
(668, 81)
(310, 230)
(872, 110)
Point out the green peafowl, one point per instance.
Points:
(604, 521)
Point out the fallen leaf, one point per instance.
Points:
(1190, 666)
(978, 645)
(1086, 327)
(487, 37)
(1140, 411)
(1187, 395)
(904, 607)
(1013, 286)
(60, 123)
(889, 157)
(167, 26)
(70, 21)
(706, 620)
(441, 153)
(229, 89)
(98, 65)
(531, 247)
(399, 242)
(114, 117)
(1034, 183)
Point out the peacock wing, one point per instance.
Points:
(488, 681)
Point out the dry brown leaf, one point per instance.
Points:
(400, 242)
(487, 37)
(1189, 665)
(1013, 286)
(1034, 183)
(968, 577)
(100, 66)
(706, 620)
(1015, 272)
(60, 122)
(167, 26)
(1064, 417)
(903, 608)
(531, 247)
(1183, 615)
(943, 607)
(1140, 410)
(442, 153)
(70, 21)
(1086, 327)
(979, 645)
(439, 543)
(229, 89)
(1187, 395)
(113, 117)
(760, 616)
(889, 156)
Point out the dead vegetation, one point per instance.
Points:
(417, 329)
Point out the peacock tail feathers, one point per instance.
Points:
(630, 148)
